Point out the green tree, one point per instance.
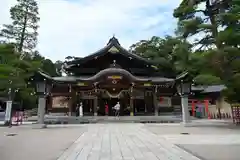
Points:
(13, 71)
(49, 67)
(45, 65)
(217, 26)
(168, 53)
(23, 30)
(230, 55)
(171, 54)
(58, 65)
(204, 23)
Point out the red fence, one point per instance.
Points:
(236, 113)
(194, 102)
(18, 117)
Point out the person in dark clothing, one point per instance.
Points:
(77, 111)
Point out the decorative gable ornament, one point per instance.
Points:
(113, 49)
(155, 67)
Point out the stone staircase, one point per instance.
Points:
(108, 119)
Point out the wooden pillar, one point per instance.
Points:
(206, 107)
(131, 106)
(70, 106)
(49, 104)
(155, 103)
(95, 106)
(131, 101)
(193, 108)
(70, 102)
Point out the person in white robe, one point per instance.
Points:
(81, 110)
(117, 109)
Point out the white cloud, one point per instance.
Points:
(80, 27)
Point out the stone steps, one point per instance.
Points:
(105, 119)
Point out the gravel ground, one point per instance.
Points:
(36, 144)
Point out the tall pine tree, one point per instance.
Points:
(23, 30)
(216, 24)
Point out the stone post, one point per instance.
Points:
(185, 111)
(8, 112)
(41, 111)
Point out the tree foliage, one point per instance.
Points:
(14, 72)
(163, 52)
(174, 54)
(206, 44)
(217, 27)
(230, 55)
(19, 60)
(23, 30)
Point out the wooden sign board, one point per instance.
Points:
(81, 84)
(114, 77)
(147, 84)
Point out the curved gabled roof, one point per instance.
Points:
(110, 71)
(113, 42)
(123, 72)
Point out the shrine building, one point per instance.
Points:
(110, 75)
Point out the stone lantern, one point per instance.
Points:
(183, 86)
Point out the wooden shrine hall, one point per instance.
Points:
(110, 75)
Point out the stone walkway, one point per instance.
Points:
(123, 142)
(230, 139)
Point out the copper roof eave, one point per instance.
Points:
(45, 75)
(182, 76)
(74, 62)
(76, 79)
(114, 71)
(133, 55)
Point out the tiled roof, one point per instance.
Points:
(209, 89)
(214, 88)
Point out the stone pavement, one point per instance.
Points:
(206, 142)
(123, 142)
(37, 144)
(231, 139)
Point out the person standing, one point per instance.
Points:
(117, 109)
(77, 110)
(81, 110)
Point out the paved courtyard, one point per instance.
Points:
(119, 142)
(207, 143)
(123, 142)
(36, 144)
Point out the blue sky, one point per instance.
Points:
(80, 27)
